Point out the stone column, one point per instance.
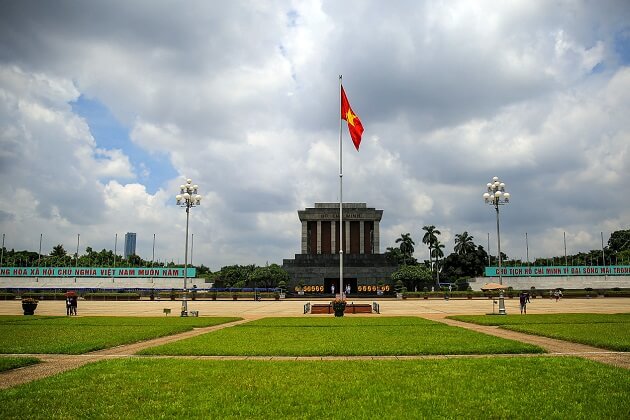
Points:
(319, 236)
(333, 240)
(304, 236)
(347, 250)
(377, 238)
(361, 237)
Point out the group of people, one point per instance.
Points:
(524, 298)
(347, 291)
(71, 305)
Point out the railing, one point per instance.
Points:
(307, 307)
(376, 307)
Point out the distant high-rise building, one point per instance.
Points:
(130, 244)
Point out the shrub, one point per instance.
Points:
(111, 296)
(45, 295)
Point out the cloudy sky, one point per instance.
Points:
(107, 107)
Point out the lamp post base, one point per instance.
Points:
(502, 304)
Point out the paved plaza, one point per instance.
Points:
(388, 307)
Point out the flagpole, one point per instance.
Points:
(341, 289)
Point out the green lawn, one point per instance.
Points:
(609, 331)
(75, 335)
(8, 363)
(330, 336)
(533, 387)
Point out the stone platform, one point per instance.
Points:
(351, 308)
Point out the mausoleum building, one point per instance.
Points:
(317, 266)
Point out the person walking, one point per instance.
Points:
(68, 306)
(523, 301)
(73, 305)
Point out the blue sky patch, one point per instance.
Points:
(153, 170)
(622, 46)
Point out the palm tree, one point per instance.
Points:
(58, 251)
(464, 243)
(406, 245)
(429, 238)
(437, 253)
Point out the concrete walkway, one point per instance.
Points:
(266, 308)
(435, 310)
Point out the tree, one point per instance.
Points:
(269, 276)
(58, 251)
(458, 266)
(437, 253)
(429, 239)
(233, 275)
(135, 260)
(619, 240)
(413, 276)
(393, 255)
(464, 243)
(406, 245)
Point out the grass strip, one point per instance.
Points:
(517, 319)
(519, 388)
(607, 331)
(8, 363)
(330, 336)
(76, 335)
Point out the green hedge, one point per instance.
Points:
(613, 293)
(111, 296)
(440, 295)
(7, 296)
(44, 295)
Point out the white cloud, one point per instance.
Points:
(243, 98)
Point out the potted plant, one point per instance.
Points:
(29, 305)
(276, 295)
(469, 292)
(339, 306)
(213, 295)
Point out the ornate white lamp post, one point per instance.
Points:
(187, 198)
(497, 196)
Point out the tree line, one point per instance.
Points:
(232, 276)
(59, 257)
(469, 259)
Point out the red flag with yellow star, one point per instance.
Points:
(354, 123)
